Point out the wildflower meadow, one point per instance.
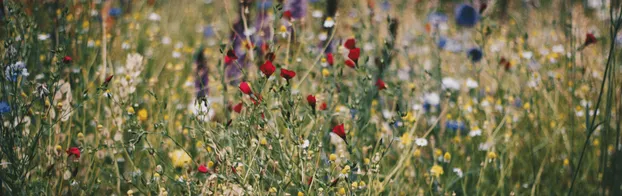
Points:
(310, 97)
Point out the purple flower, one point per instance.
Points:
(298, 8)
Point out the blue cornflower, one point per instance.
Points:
(208, 31)
(441, 42)
(386, 5)
(4, 108)
(114, 12)
(353, 113)
(453, 125)
(475, 54)
(13, 71)
(518, 103)
(466, 15)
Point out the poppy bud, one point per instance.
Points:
(267, 68)
(350, 43)
(238, 107)
(350, 63)
(354, 54)
(381, 85)
(340, 131)
(203, 169)
(245, 88)
(330, 59)
(311, 100)
(287, 74)
(75, 151)
(67, 59)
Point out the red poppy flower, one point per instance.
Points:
(350, 63)
(245, 88)
(381, 85)
(350, 43)
(311, 100)
(73, 151)
(67, 59)
(330, 59)
(340, 131)
(323, 106)
(287, 74)
(287, 15)
(354, 54)
(589, 39)
(203, 169)
(270, 56)
(267, 68)
(238, 108)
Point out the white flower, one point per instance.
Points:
(13, 71)
(43, 36)
(558, 48)
(450, 83)
(471, 84)
(166, 40)
(322, 36)
(154, 17)
(421, 142)
(458, 172)
(305, 144)
(329, 22)
(476, 132)
(90, 43)
(125, 45)
(317, 14)
(176, 54)
(527, 54)
(432, 98)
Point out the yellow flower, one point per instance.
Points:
(492, 155)
(80, 135)
(210, 164)
(342, 191)
(366, 160)
(130, 110)
(417, 153)
(59, 148)
(436, 171)
(355, 184)
(332, 157)
(179, 158)
(345, 170)
(325, 72)
(100, 127)
(142, 115)
(406, 139)
(566, 162)
(300, 193)
(447, 157)
(272, 190)
(263, 141)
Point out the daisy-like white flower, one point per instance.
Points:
(154, 17)
(43, 36)
(432, 98)
(471, 84)
(458, 172)
(317, 14)
(475, 131)
(329, 22)
(450, 83)
(421, 142)
(305, 144)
